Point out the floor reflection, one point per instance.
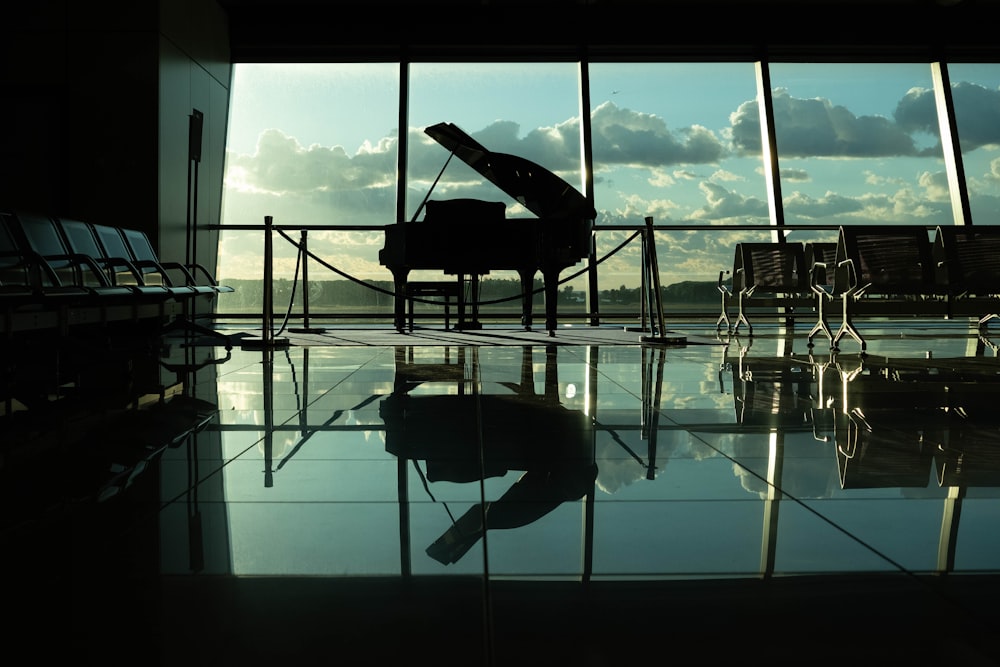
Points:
(725, 460)
(590, 462)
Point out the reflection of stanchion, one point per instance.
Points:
(196, 542)
(652, 297)
(304, 254)
(267, 360)
(651, 395)
(267, 338)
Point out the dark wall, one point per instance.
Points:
(96, 101)
(304, 30)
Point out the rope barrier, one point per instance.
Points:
(308, 253)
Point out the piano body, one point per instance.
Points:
(470, 237)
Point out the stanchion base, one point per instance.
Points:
(306, 330)
(263, 343)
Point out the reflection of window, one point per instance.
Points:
(975, 91)
(858, 144)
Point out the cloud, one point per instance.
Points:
(935, 185)
(623, 137)
(812, 208)
(818, 128)
(977, 111)
(722, 203)
(793, 175)
(281, 165)
(901, 207)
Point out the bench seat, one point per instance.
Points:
(63, 273)
(967, 260)
(881, 271)
(773, 276)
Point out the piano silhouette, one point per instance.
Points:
(470, 237)
(472, 435)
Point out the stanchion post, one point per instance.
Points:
(304, 254)
(267, 339)
(651, 267)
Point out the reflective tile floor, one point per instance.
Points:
(375, 498)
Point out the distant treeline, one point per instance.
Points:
(379, 294)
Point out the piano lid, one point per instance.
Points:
(535, 187)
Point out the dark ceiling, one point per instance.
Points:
(320, 30)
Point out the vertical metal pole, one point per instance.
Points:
(658, 332)
(654, 279)
(267, 338)
(267, 330)
(305, 278)
(304, 254)
(587, 163)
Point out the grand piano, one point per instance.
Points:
(470, 237)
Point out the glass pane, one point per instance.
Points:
(309, 144)
(530, 110)
(669, 143)
(858, 144)
(975, 91)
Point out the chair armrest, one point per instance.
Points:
(814, 283)
(722, 286)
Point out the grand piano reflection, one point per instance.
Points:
(470, 237)
(471, 431)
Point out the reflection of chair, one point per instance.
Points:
(773, 393)
(971, 454)
(883, 448)
(140, 437)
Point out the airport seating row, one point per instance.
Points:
(875, 271)
(59, 273)
(892, 271)
(771, 276)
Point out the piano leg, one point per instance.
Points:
(551, 278)
(399, 302)
(527, 283)
(473, 305)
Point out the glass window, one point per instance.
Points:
(975, 91)
(530, 110)
(308, 144)
(668, 143)
(858, 144)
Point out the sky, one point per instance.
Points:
(679, 142)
